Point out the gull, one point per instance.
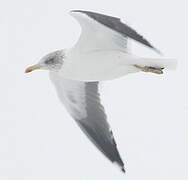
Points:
(100, 54)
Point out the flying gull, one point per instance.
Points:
(100, 54)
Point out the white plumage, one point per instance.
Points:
(100, 54)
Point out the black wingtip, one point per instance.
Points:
(123, 169)
(158, 51)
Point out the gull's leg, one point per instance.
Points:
(150, 69)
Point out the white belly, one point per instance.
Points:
(97, 66)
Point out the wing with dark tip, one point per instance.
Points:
(95, 25)
(82, 100)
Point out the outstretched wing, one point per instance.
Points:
(105, 32)
(82, 100)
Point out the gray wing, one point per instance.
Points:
(112, 23)
(82, 100)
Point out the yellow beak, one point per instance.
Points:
(32, 68)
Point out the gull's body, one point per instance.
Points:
(100, 54)
(93, 66)
(105, 65)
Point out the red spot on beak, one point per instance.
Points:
(32, 68)
(28, 70)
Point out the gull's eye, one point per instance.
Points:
(50, 61)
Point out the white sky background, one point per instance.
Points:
(147, 112)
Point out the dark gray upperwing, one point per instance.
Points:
(96, 127)
(82, 100)
(116, 25)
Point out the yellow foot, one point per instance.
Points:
(150, 69)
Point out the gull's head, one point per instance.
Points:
(52, 62)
